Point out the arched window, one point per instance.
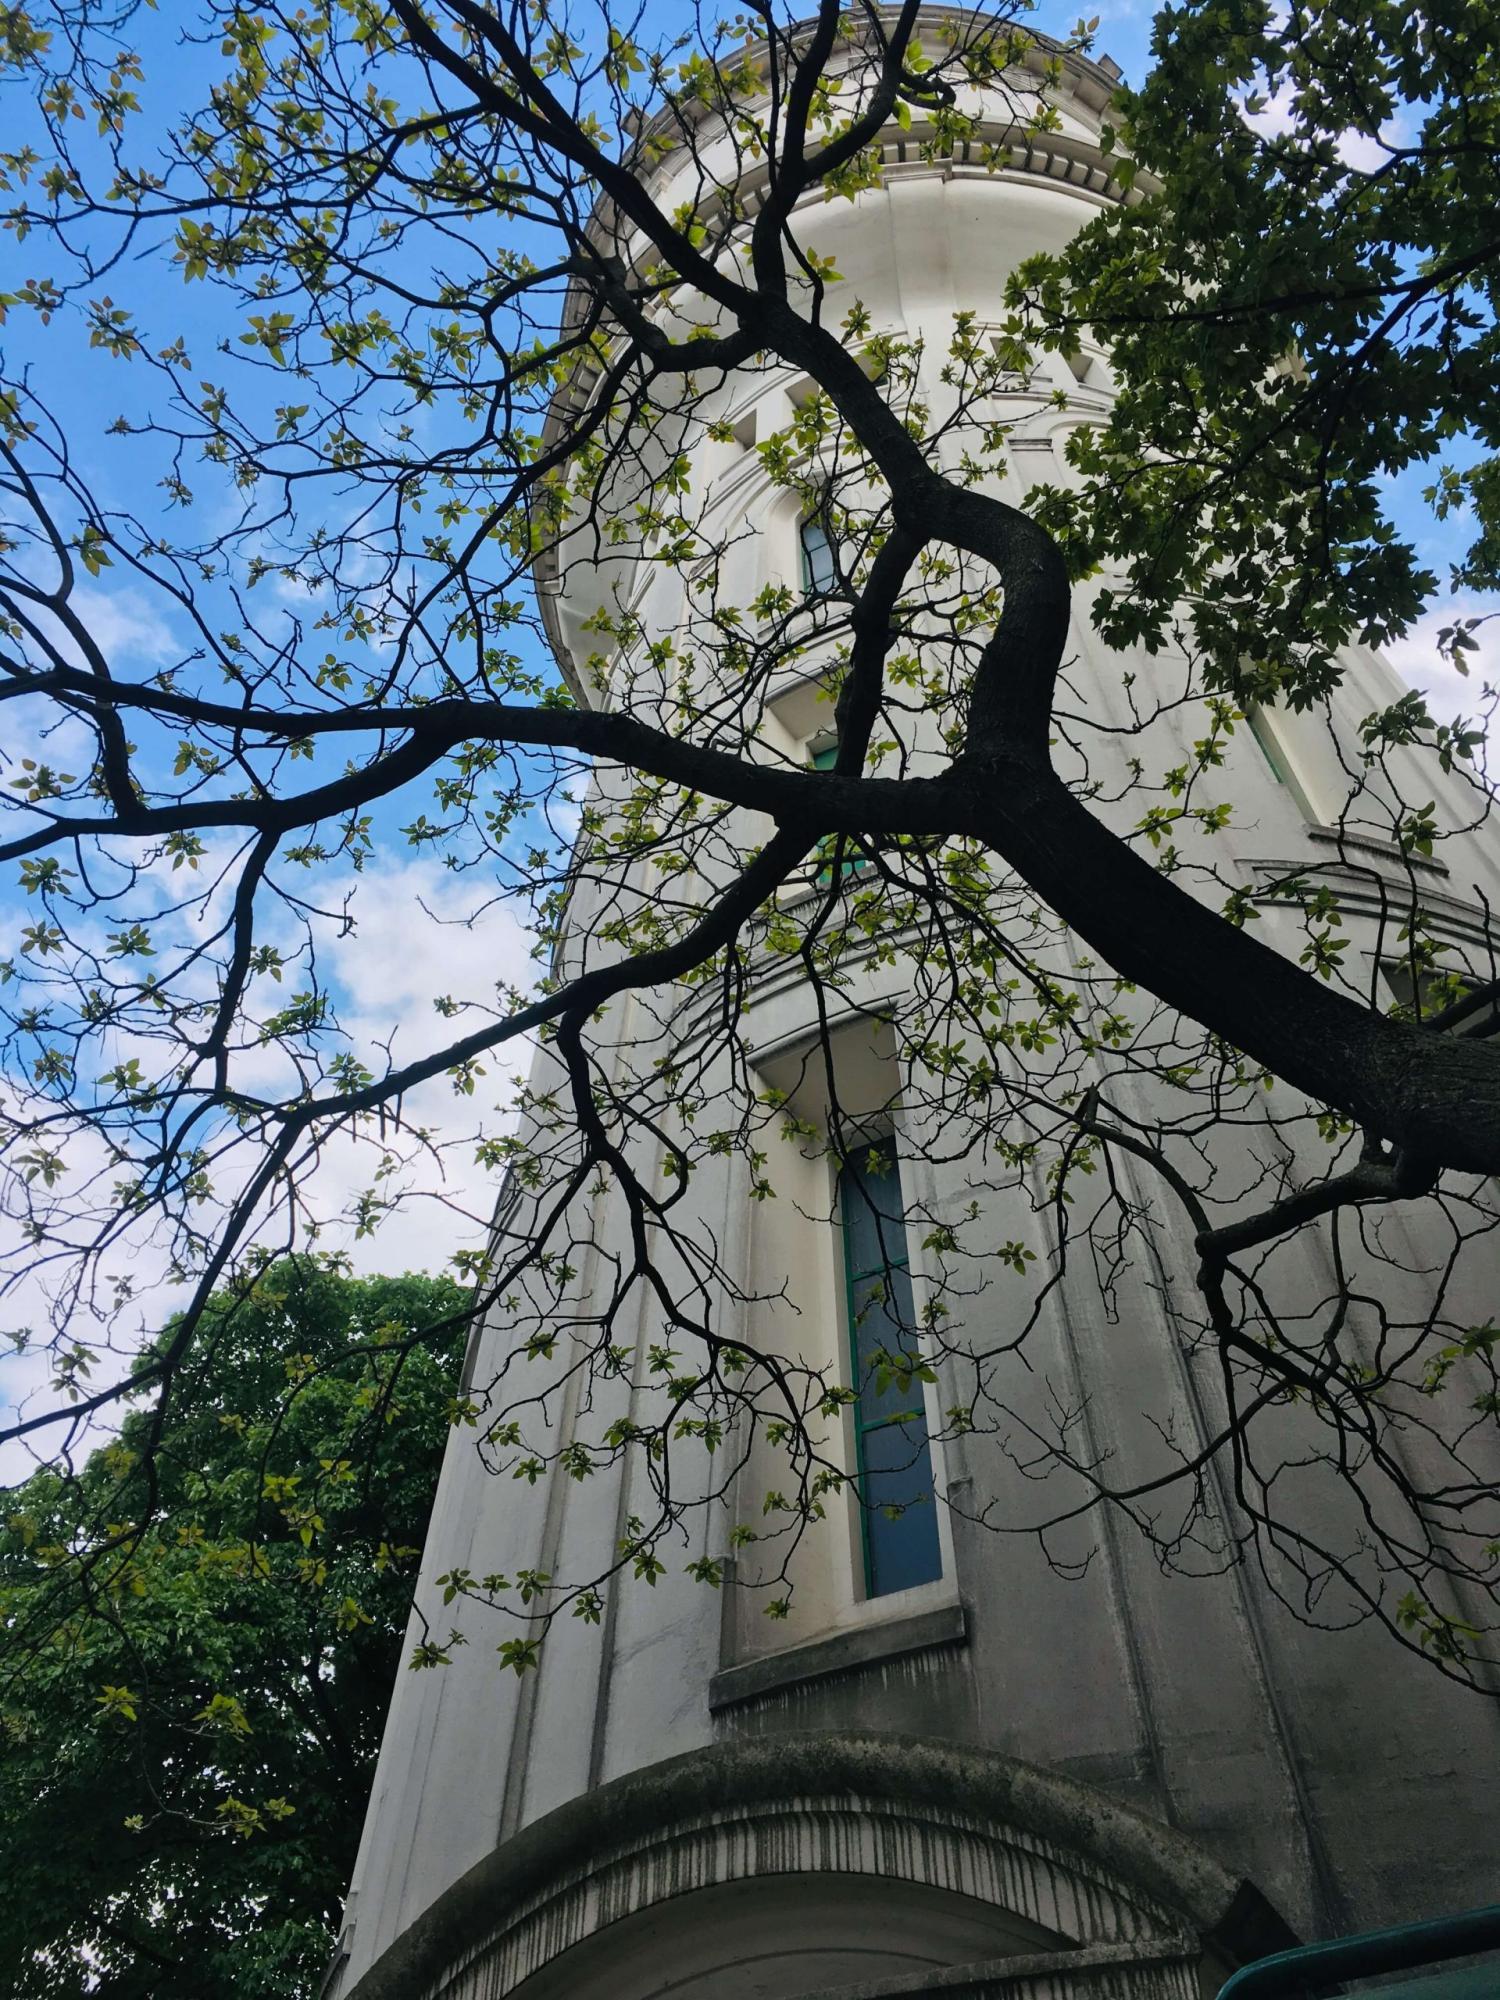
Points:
(819, 570)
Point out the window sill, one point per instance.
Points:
(865, 1645)
(1369, 843)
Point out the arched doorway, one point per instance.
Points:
(773, 1937)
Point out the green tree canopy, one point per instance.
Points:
(198, 1636)
(1301, 303)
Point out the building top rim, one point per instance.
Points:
(1103, 72)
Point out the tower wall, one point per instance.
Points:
(1312, 1765)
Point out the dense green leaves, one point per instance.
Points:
(1300, 304)
(189, 1709)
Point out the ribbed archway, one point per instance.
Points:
(813, 1865)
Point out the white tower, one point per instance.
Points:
(963, 1761)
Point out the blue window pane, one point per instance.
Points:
(901, 1544)
(1269, 748)
(854, 863)
(819, 571)
(881, 1310)
(902, 1548)
(874, 1219)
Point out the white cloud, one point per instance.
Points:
(1363, 152)
(129, 627)
(419, 932)
(132, 632)
(422, 933)
(1417, 659)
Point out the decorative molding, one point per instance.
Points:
(845, 1652)
(1367, 890)
(1387, 851)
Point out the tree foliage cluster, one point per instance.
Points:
(201, 1628)
(1300, 305)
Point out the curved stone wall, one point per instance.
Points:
(512, 1821)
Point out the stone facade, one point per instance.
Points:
(1008, 1781)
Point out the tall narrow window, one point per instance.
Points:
(853, 861)
(893, 1457)
(1270, 749)
(819, 570)
(1261, 728)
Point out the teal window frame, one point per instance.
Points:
(903, 1551)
